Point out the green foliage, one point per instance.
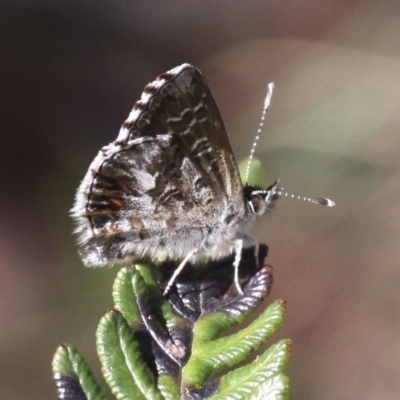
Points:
(255, 173)
(73, 376)
(177, 347)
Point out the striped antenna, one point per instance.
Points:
(324, 201)
(270, 89)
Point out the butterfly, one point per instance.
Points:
(168, 187)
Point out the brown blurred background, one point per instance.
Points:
(69, 74)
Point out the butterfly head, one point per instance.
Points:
(261, 201)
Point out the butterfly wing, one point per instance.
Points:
(180, 103)
(168, 180)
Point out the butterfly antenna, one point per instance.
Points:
(324, 201)
(270, 89)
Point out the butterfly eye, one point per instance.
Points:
(258, 205)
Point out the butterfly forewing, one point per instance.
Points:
(181, 104)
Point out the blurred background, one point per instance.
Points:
(69, 74)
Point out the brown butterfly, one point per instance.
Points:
(168, 187)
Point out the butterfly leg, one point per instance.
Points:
(179, 270)
(236, 262)
(257, 253)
